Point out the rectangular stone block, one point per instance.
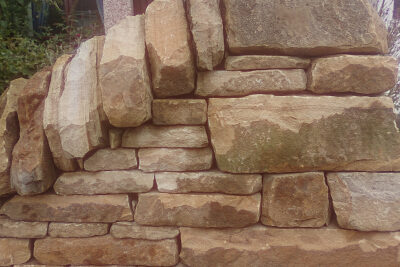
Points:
(14, 251)
(111, 160)
(134, 230)
(77, 229)
(256, 62)
(179, 111)
(20, 229)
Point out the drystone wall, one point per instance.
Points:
(208, 133)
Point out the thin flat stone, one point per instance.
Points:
(20, 229)
(111, 159)
(136, 231)
(253, 62)
(77, 229)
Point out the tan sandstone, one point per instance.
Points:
(256, 62)
(77, 229)
(20, 229)
(14, 251)
(115, 137)
(111, 159)
(179, 111)
(136, 231)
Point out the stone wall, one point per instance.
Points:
(208, 133)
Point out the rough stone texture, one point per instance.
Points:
(123, 74)
(111, 159)
(104, 182)
(115, 136)
(106, 250)
(304, 27)
(366, 201)
(34, 263)
(208, 182)
(197, 210)
(32, 169)
(295, 200)
(357, 74)
(101, 208)
(9, 131)
(175, 159)
(179, 111)
(136, 231)
(207, 31)
(263, 246)
(115, 11)
(165, 136)
(256, 62)
(14, 251)
(240, 83)
(17, 229)
(278, 134)
(167, 41)
(77, 229)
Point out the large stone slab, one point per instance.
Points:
(104, 182)
(179, 111)
(304, 27)
(278, 134)
(136, 231)
(356, 74)
(257, 62)
(123, 74)
(111, 159)
(366, 201)
(241, 83)
(53, 208)
(19, 229)
(106, 250)
(295, 200)
(77, 229)
(32, 168)
(208, 182)
(197, 210)
(167, 41)
(263, 246)
(14, 251)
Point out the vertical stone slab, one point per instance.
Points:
(116, 10)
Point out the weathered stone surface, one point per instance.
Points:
(100, 208)
(50, 116)
(277, 134)
(208, 182)
(19, 229)
(34, 263)
(263, 246)
(134, 230)
(167, 42)
(357, 74)
(14, 251)
(306, 27)
(115, 136)
(295, 200)
(123, 75)
(207, 31)
(77, 229)
(256, 62)
(240, 83)
(175, 159)
(165, 136)
(104, 182)
(9, 131)
(366, 201)
(197, 210)
(111, 159)
(179, 111)
(106, 250)
(115, 11)
(32, 169)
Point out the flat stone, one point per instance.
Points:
(106, 250)
(136, 231)
(256, 62)
(304, 27)
(295, 200)
(19, 229)
(34, 263)
(167, 41)
(123, 74)
(179, 111)
(197, 210)
(115, 136)
(165, 136)
(111, 159)
(175, 159)
(77, 229)
(14, 251)
(104, 182)
(280, 134)
(263, 246)
(208, 182)
(115, 11)
(241, 83)
(32, 168)
(207, 31)
(366, 201)
(54, 208)
(356, 74)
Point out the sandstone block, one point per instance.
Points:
(255, 62)
(136, 231)
(111, 159)
(115, 136)
(278, 134)
(115, 11)
(77, 229)
(179, 111)
(201, 210)
(14, 251)
(167, 42)
(34, 263)
(19, 229)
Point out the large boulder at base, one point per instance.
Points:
(14, 251)
(277, 134)
(77, 229)
(167, 41)
(258, 62)
(304, 27)
(179, 111)
(366, 201)
(32, 169)
(123, 75)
